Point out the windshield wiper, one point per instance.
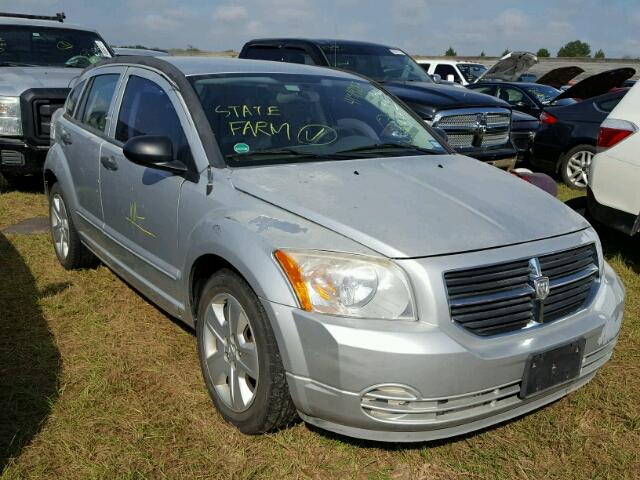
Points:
(289, 152)
(387, 146)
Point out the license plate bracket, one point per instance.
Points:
(551, 368)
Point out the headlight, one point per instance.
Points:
(348, 285)
(10, 121)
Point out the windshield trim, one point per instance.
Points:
(192, 79)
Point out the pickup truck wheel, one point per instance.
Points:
(239, 357)
(71, 252)
(574, 168)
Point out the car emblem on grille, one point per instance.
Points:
(480, 129)
(541, 286)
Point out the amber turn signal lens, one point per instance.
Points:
(291, 269)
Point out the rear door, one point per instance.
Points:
(141, 203)
(81, 137)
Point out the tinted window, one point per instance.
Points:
(46, 46)
(72, 99)
(610, 104)
(147, 110)
(98, 99)
(288, 55)
(425, 66)
(382, 64)
(488, 89)
(444, 70)
(471, 71)
(275, 118)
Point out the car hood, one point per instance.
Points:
(408, 207)
(558, 77)
(15, 80)
(441, 96)
(598, 84)
(510, 67)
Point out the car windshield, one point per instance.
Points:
(471, 71)
(382, 64)
(261, 119)
(50, 47)
(543, 93)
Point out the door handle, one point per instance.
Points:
(109, 162)
(66, 138)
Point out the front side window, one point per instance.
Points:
(98, 100)
(382, 64)
(72, 99)
(50, 47)
(147, 110)
(279, 118)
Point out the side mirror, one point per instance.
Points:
(451, 78)
(436, 77)
(154, 152)
(441, 133)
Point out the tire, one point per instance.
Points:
(574, 167)
(259, 401)
(71, 252)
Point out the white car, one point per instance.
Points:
(613, 196)
(464, 73)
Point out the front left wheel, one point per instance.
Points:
(239, 357)
(71, 252)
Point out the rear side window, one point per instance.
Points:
(608, 105)
(98, 100)
(425, 66)
(147, 110)
(72, 99)
(276, 54)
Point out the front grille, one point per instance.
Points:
(43, 111)
(467, 128)
(501, 298)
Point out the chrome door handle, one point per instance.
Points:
(109, 163)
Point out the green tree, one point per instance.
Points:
(506, 50)
(544, 53)
(450, 52)
(599, 54)
(576, 48)
(482, 54)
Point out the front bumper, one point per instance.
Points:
(18, 157)
(501, 157)
(437, 380)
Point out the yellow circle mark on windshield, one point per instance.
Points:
(62, 45)
(316, 134)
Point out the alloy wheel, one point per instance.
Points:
(578, 168)
(231, 354)
(60, 226)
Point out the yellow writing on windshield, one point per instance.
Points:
(260, 127)
(254, 120)
(248, 111)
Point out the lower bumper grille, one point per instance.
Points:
(503, 298)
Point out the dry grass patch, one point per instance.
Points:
(97, 383)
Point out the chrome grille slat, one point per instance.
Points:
(495, 299)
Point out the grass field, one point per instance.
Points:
(97, 383)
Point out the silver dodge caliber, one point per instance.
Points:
(338, 262)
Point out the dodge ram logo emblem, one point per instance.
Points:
(541, 286)
(480, 129)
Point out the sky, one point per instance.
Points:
(426, 27)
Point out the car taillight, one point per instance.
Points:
(613, 131)
(547, 119)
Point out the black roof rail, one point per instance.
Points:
(59, 17)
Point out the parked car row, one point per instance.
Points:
(338, 259)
